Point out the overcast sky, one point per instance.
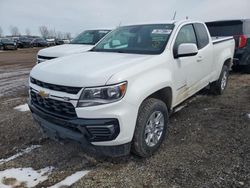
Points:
(77, 15)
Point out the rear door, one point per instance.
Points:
(205, 56)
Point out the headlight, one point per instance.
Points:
(102, 95)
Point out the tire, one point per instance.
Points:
(219, 86)
(150, 109)
(236, 68)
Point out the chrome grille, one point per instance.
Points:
(54, 107)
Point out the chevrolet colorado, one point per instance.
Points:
(117, 97)
(82, 43)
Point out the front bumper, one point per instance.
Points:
(83, 131)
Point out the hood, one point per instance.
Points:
(86, 69)
(65, 49)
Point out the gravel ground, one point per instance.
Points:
(207, 145)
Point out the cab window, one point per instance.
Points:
(185, 35)
(202, 35)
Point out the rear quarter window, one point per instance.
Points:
(202, 35)
(225, 28)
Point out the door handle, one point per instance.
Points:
(199, 59)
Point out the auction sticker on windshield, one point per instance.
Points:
(162, 31)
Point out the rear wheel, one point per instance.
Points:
(150, 127)
(219, 86)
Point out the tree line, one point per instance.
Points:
(44, 31)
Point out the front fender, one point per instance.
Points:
(146, 82)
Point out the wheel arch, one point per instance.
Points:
(228, 63)
(165, 94)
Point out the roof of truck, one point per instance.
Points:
(161, 22)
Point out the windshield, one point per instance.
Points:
(6, 40)
(141, 39)
(90, 37)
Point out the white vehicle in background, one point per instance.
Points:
(66, 41)
(119, 95)
(51, 42)
(82, 43)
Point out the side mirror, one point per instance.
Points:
(187, 49)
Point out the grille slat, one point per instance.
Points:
(51, 106)
(45, 57)
(67, 89)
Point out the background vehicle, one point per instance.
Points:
(39, 42)
(59, 42)
(82, 43)
(240, 30)
(24, 42)
(8, 44)
(1, 45)
(119, 95)
(51, 41)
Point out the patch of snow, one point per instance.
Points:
(22, 108)
(207, 109)
(23, 177)
(24, 151)
(70, 180)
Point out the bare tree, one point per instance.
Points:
(27, 31)
(14, 31)
(1, 32)
(44, 31)
(68, 35)
(52, 33)
(59, 35)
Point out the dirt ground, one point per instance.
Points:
(207, 145)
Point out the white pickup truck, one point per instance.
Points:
(117, 97)
(82, 43)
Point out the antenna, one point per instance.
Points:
(174, 15)
(120, 23)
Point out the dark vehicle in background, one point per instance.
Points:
(24, 42)
(1, 45)
(8, 44)
(240, 30)
(39, 42)
(59, 41)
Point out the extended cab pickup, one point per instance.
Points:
(117, 97)
(82, 43)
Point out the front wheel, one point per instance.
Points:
(219, 86)
(150, 127)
